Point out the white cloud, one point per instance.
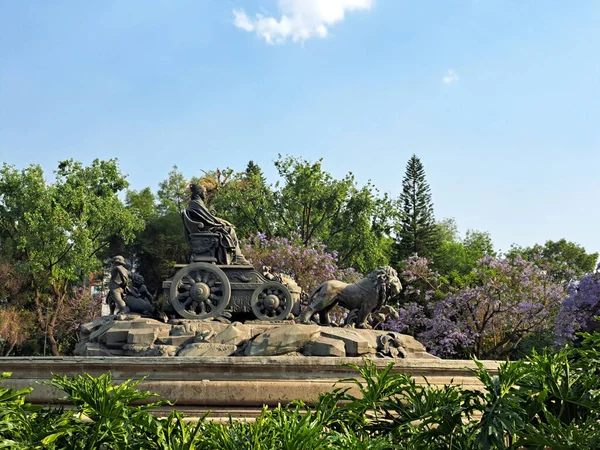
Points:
(450, 77)
(300, 19)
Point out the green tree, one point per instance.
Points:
(159, 247)
(247, 201)
(565, 260)
(353, 221)
(60, 228)
(172, 192)
(141, 203)
(418, 233)
(456, 258)
(159, 243)
(311, 205)
(448, 230)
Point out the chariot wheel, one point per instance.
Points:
(271, 301)
(199, 291)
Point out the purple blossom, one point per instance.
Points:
(580, 308)
(508, 300)
(308, 265)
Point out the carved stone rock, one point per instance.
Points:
(143, 336)
(177, 341)
(324, 346)
(356, 343)
(235, 333)
(207, 349)
(281, 340)
(129, 335)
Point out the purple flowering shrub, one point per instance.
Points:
(509, 300)
(421, 283)
(308, 265)
(580, 308)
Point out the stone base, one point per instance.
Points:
(226, 383)
(136, 336)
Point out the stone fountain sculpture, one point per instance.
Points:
(219, 283)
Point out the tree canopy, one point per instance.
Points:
(56, 232)
(58, 229)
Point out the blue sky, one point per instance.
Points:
(500, 99)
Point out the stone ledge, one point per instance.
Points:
(227, 382)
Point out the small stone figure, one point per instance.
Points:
(139, 300)
(117, 286)
(199, 219)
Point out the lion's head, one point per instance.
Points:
(386, 283)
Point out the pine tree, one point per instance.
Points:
(253, 169)
(419, 233)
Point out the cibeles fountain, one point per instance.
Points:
(220, 305)
(230, 338)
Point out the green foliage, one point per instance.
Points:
(247, 201)
(172, 196)
(158, 247)
(57, 230)
(455, 259)
(564, 260)
(502, 406)
(60, 227)
(351, 220)
(310, 203)
(141, 203)
(546, 401)
(418, 233)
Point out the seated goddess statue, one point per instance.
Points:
(199, 220)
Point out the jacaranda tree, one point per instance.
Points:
(510, 300)
(308, 266)
(580, 309)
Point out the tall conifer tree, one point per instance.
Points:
(419, 233)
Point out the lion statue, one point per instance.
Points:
(365, 296)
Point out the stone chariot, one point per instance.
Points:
(219, 279)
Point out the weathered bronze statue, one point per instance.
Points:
(118, 286)
(219, 281)
(208, 234)
(365, 296)
(139, 300)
